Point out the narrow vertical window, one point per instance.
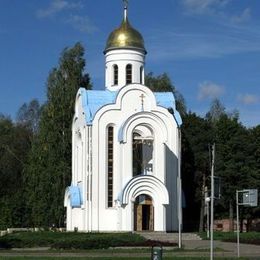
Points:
(115, 75)
(110, 161)
(137, 154)
(129, 74)
(142, 155)
(141, 74)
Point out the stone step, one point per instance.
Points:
(168, 237)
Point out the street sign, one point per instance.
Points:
(244, 198)
(217, 187)
(248, 197)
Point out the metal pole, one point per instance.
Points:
(207, 219)
(212, 202)
(179, 192)
(238, 227)
(207, 200)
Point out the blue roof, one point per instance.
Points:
(167, 100)
(75, 196)
(93, 100)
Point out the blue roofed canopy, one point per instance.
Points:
(93, 100)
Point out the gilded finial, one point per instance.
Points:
(125, 8)
(125, 36)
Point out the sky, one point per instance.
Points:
(209, 48)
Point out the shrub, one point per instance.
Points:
(74, 240)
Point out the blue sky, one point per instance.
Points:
(209, 48)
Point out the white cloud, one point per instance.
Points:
(243, 17)
(248, 99)
(210, 90)
(217, 9)
(78, 22)
(81, 23)
(203, 6)
(57, 6)
(213, 42)
(183, 46)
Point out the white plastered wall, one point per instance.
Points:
(121, 58)
(78, 217)
(125, 115)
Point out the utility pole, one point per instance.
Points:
(212, 202)
(238, 226)
(179, 191)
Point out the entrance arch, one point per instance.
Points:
(153, 188)
(143, 213)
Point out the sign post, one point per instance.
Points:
(244, 198)
(212, 202)
(238, 228)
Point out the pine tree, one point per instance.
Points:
(49, 168)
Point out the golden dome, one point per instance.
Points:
(125, 37)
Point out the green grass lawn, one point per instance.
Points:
(95, 245)
(245, 237)
(109, 258)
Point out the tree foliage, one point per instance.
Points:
(14, 147)
(49, 167)
(162, 83)
(28, 115)
(236, 163)
(196, 137)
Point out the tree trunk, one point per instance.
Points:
(202, 207)
(231, 216)
(241, 220)
(249, 224)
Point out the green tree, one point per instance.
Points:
(253, 169)
(162, 83)
(14, 147)
(216, 111)
(49, 168)
(196, 137)
(28, 115)
(231, 160)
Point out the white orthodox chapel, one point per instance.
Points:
(125, 148)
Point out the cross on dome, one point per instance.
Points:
(125, 8)
(126, 3)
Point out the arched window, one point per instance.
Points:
(141, 74)
(137, 154)
(110, 165)
(142, 154)
(115, 67)
(128, 74)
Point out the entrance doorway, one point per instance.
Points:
(143, 213)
